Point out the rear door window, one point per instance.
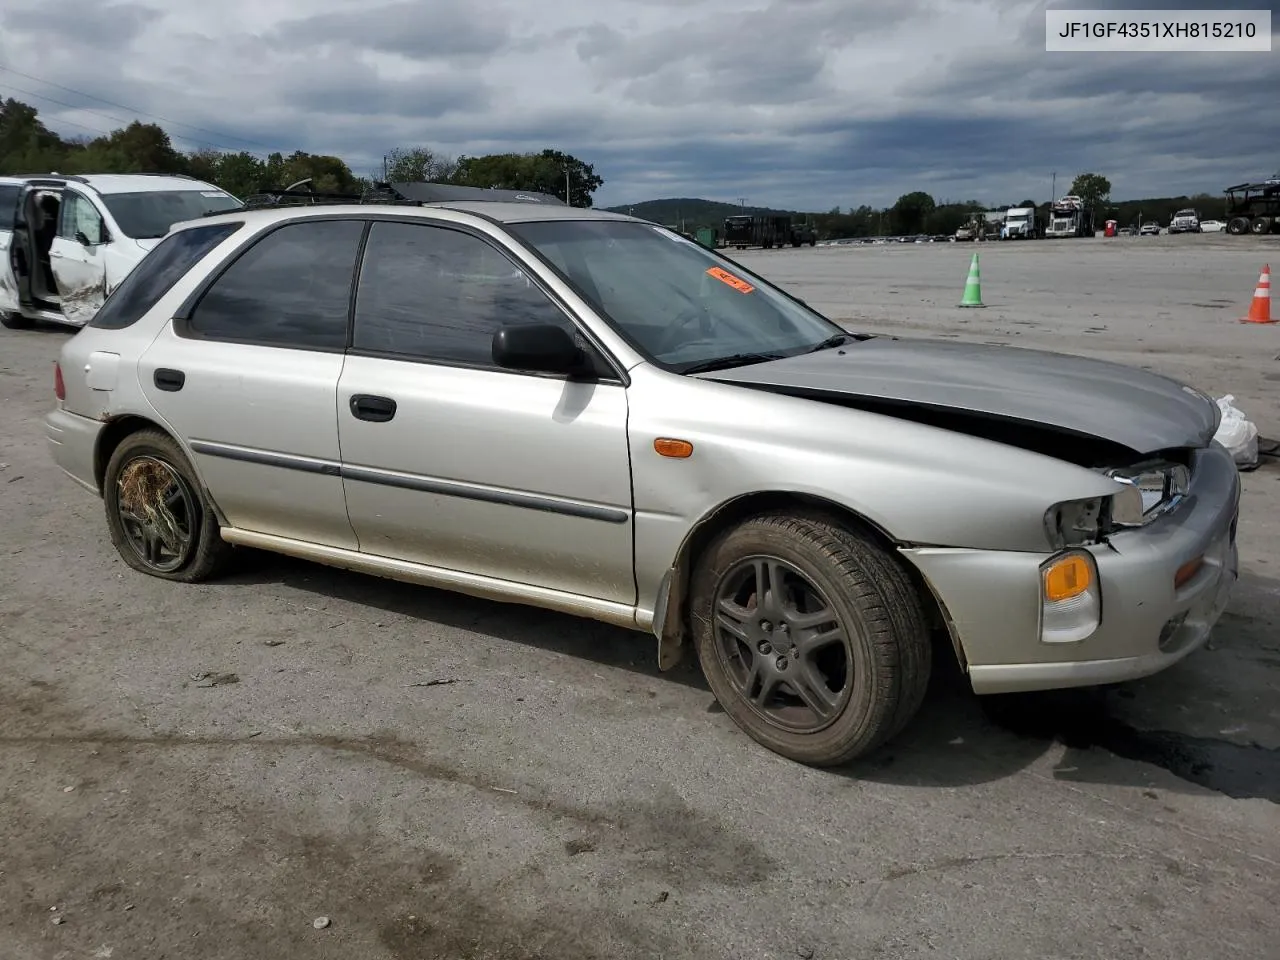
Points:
(9, 196)
(157, 273)
(292, 288)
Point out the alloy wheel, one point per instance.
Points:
(158, 513)
(782, 644)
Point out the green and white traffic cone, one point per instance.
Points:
(973, 287)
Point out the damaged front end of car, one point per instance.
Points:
(1149, 490)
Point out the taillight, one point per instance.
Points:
(59, 388)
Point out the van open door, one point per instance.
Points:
(77, 258)
(11, 194)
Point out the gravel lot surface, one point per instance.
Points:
(562, 799)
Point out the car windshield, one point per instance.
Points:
(677, 302)
(149, 214)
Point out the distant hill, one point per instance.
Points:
(689, 212)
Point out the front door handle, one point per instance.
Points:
(374, 409)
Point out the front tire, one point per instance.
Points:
(157, 515)
(811, 636)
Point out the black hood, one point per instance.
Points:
(1141, 411)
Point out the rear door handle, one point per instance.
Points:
(168, 380)
(374, 409)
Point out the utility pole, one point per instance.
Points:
(742, 204)
(1053, 190)
(568, 198)
(384, 168)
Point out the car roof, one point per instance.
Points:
(142, 183)
(513, 212)
(107, 183)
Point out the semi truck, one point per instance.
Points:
(1254, 207)
(1020, 223)
(803, 234)
(1070, 217)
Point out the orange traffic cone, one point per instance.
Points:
(1260, 309)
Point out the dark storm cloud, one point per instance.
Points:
(416, 30)
(82, 21)
(353, 87)
(804, 103)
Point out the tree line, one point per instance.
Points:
(28, 146)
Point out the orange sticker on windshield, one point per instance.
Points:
(725, 277)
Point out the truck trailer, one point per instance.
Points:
(746, 230)
(1254, 207)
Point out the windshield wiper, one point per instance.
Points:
(839, 340)
(733, 360)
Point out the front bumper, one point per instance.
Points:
(73, 442)
(992, 598)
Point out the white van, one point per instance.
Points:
(67, 241)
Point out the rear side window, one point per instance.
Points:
(9, 194)
(290, 289)
(159, 270)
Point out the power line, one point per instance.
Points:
(82, 126)
(105, 116)
(141, 113)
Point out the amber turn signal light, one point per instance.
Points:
(677, 449)
(1067, 578)
(1186, 573)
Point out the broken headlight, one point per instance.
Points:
(1150, 490)
(1074, 523)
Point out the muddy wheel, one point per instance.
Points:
(14, 321)
(812, 638)
(158, 518)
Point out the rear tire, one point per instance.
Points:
(836, 608)
(1261, 225)
(15, 321)
(159, 519)
(1237, 226)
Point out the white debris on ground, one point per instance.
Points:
(1237, 433)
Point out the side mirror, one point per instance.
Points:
(537, 347)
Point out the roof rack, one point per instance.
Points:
(150, 173)
(404, 194)
(48, 178)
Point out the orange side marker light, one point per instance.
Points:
(676, 449)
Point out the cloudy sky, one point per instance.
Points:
(806, 104)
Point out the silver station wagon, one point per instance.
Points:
(587, 412)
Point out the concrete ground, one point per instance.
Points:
(560, 798)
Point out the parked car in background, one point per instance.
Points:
(1213, 226)
(1150, 229)
(1185, 221)
(67, 241)
(584, 411)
